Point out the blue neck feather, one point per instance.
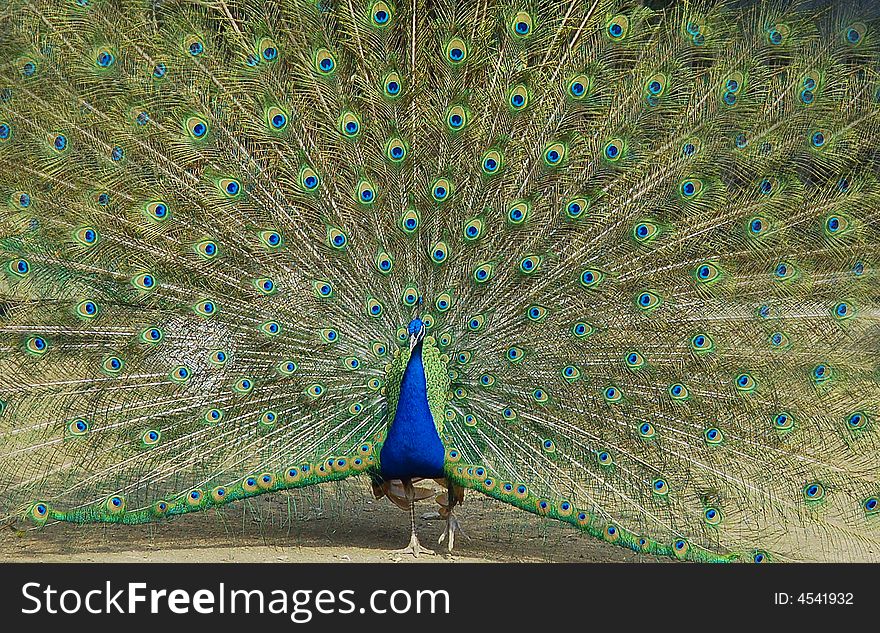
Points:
(413, 447)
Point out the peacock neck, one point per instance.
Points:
(413, 447)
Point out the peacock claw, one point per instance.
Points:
(452, 526)
(415, 548)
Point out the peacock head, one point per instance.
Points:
(416, 332)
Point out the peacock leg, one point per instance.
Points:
(415, 548)
(454, 495)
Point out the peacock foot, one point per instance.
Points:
(452, 526)
(415, 548)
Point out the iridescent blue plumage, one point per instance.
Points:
(412, 448)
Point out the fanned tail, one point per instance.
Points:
(643, 243)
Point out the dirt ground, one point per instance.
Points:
(335, 523)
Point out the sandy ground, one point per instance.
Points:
(335, 523)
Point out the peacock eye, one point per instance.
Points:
(277, 119)
(648, 300)
(618, 27)
(707, 272)
(518, 98)
(325, 62)
(196, 127)
(645, 231)
(591, 278)
(613, 150)
(456, 118)
(491, 162)
(456, 51)
(578, 87)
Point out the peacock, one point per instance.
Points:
(612, 263)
